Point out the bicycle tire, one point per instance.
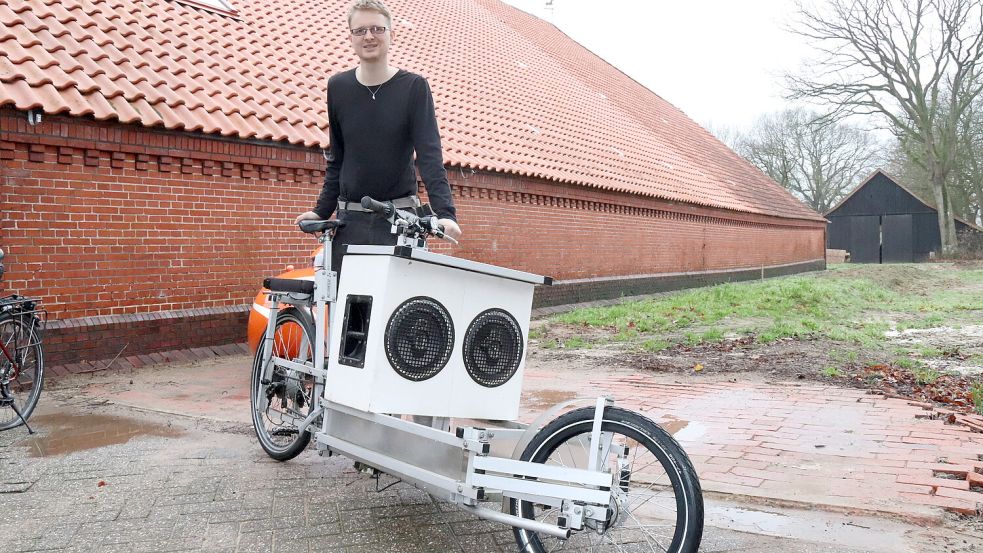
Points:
(284, 389)
(565, 435)
(22, 337)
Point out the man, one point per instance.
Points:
(379, 116)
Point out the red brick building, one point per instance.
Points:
(153, 154)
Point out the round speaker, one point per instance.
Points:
(493, 348)
(419, 338)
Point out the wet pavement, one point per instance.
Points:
(70, 432)
(795, 443)
(163, 458)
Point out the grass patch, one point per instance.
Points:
(654, 345)
(783, 329)
(908, 364)
(848, 356)
(627, 335)
(929, 351)
(930, 321)
(576, 343)
(712, 335)
(849, 304)
(925, 375)
(832, 372)
(976, 392)
(777, 308)
(549, 343)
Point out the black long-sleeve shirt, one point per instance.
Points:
(373, 140)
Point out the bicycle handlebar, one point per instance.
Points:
(384, 209)
(412, 224)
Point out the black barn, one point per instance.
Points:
(883, 222)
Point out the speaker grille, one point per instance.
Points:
(419, 338)
(493, 348)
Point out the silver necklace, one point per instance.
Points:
(376, 89)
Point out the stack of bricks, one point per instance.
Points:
(837, 256)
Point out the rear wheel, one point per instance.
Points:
(657, 504)
(283, 398)
(21, 369)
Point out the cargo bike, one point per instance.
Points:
(440, 339)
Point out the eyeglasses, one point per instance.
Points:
(375, 29)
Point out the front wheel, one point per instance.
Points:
(657, 504)
(21, 369)
(281, 398)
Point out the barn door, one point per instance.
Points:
(896, 239)
(865, 239)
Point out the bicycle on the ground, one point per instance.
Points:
(439, 338)
(21, 357)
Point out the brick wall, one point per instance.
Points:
(110, 224)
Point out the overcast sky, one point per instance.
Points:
(720, 61)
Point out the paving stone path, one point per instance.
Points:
(199, 482)
(808, 443)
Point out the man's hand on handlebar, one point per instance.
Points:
(307, 215)
(442, 228)
(451, 228)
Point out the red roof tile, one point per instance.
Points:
(513, 93)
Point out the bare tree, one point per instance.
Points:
(915, 63)
(817, 162)
(969, 169)
(965, 185)
(729, 135)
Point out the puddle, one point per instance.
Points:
(673, 425)
(771, 523)
(859, 533)
(950, 366)
(545, 399)
(686, 431)
(61, 433)
(968, 331)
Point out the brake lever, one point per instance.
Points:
(437, 229)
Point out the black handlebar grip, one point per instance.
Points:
(432, 225)
(385, 209)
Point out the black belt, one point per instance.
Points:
(399, 203)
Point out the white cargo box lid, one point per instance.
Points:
(417, 254)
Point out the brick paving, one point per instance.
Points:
(807, 443)
(192, 484)
(839, 447)
(201, 483)
(797, 442)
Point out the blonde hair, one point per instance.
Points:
(370, 5)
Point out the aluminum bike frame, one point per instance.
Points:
(459, 468)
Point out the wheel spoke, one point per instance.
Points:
(611, 541)
(286, 400)
(632, 507)
(656, 497)
(21, 374)
(642, 528)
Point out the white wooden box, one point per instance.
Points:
(404, 313)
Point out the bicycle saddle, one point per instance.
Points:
(311, 226)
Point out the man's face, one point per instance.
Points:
(370, 46)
